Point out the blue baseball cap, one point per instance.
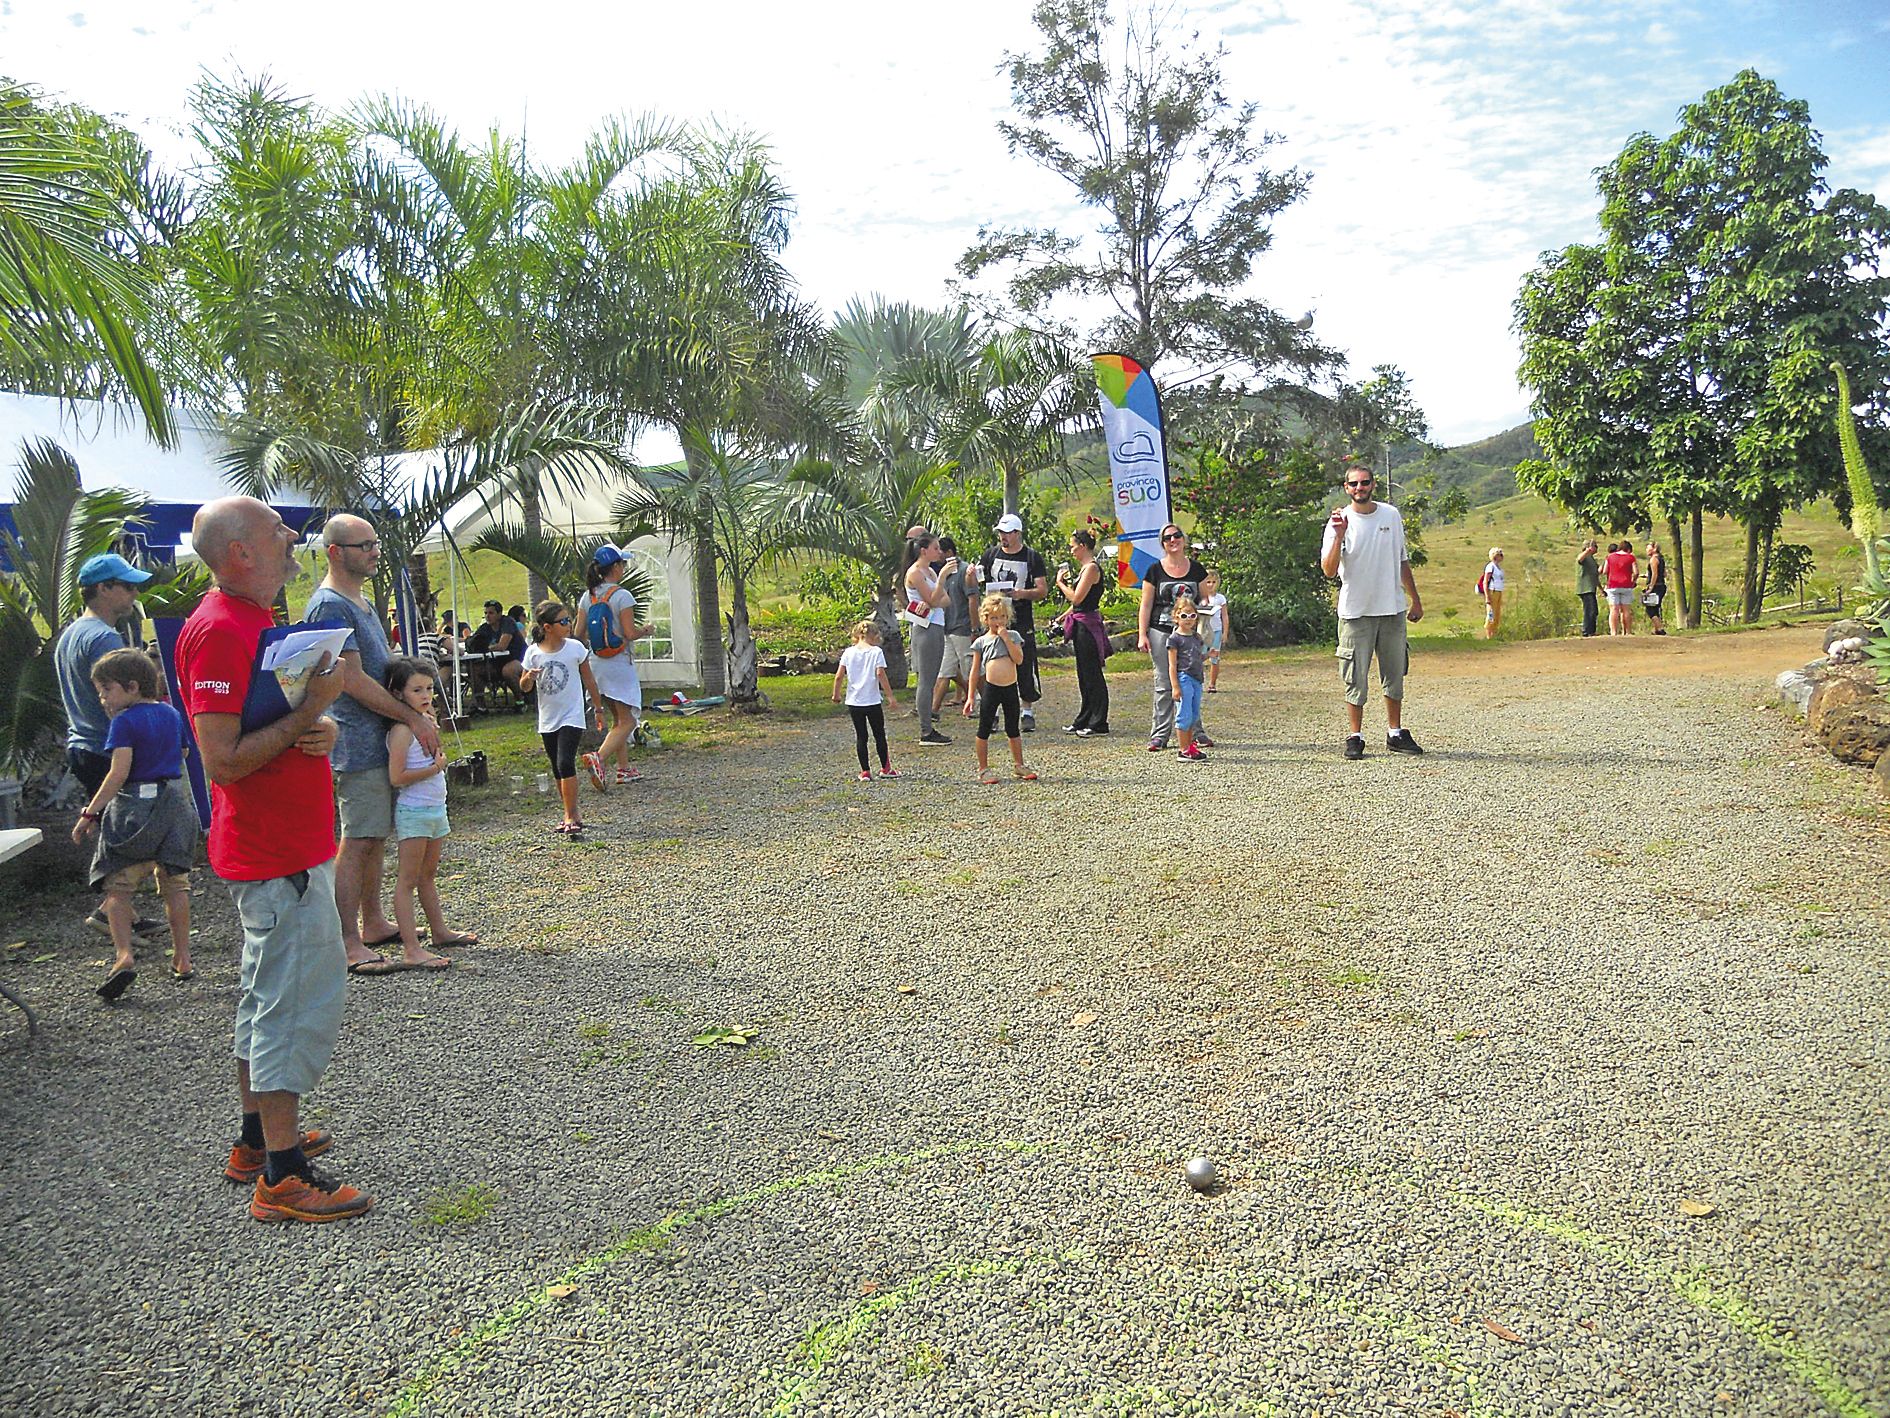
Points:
(111, 567)
(606, 556)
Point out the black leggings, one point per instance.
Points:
(989, 698)
(561, 746)
(875, 715)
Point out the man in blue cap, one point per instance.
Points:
(109, 585)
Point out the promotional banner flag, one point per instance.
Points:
(1138, 462)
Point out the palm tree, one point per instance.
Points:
(80, 210)
(900, 360)
(684, 316)
(1011, 409)
(497, 238)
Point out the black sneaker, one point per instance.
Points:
(1355, 746)
(1071, 729)
(1402, 742)
(1028, 724)
(933, 736)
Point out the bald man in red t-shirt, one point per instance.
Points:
(272, 840)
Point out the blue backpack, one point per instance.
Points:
(600, 630)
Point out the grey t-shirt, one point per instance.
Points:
(1190, 655)
(362, 742)
(958, 605)
(82, 645)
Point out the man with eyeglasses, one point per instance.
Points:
(360, 757)
(1365, 548)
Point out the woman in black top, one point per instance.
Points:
(1656, 593)
(1083, 625)
(1177, 574)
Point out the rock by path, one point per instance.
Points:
(1464, 1033)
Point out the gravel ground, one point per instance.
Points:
(1462, 1033)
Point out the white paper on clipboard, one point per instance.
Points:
(293, 658)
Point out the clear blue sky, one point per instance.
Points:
(1449, 143)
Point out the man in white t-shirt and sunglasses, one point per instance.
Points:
(1365, 548)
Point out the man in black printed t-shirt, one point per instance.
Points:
(1012, 569)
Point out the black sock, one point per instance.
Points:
(287, 1163)
(252, 1131)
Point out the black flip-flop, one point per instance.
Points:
(116, 984)
(379, 965)
(445, 964)
(448, 942)
(386, 940)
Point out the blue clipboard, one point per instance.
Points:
(264, 704)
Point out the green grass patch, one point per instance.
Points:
(1352, 978)
(460, 1206)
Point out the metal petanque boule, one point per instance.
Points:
(1202, 1174)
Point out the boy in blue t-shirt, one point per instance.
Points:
(145, 818)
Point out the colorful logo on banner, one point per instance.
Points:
(1138, 462)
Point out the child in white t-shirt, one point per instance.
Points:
(558, 668)
(862, 675)
(1213, 610)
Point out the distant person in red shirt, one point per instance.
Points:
(1620, 572)
(272, 839)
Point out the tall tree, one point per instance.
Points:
(1679, 365)
(1143, 130)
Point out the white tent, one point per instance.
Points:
(582, 510)
(112, 449)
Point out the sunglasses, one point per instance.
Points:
(1366, 483)
(1174, 536)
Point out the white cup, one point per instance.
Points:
(544, 782)
(518, 784)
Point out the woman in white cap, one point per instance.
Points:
(607, 623)
(1492, 587)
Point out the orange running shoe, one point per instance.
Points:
(246, 1163)
(307, 1198)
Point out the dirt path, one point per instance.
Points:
(1470, 1036)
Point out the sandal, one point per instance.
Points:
(379, 965)
(447, 942)
(988, 778)
(116, 984)
(1026, 775)
(438, 962)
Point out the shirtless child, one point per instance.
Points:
(996, 657)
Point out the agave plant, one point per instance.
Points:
(1867, 523)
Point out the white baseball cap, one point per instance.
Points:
(1009, 522)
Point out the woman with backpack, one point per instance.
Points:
(1490, 587)
(607, 624)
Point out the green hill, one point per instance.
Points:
(1486, 469)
